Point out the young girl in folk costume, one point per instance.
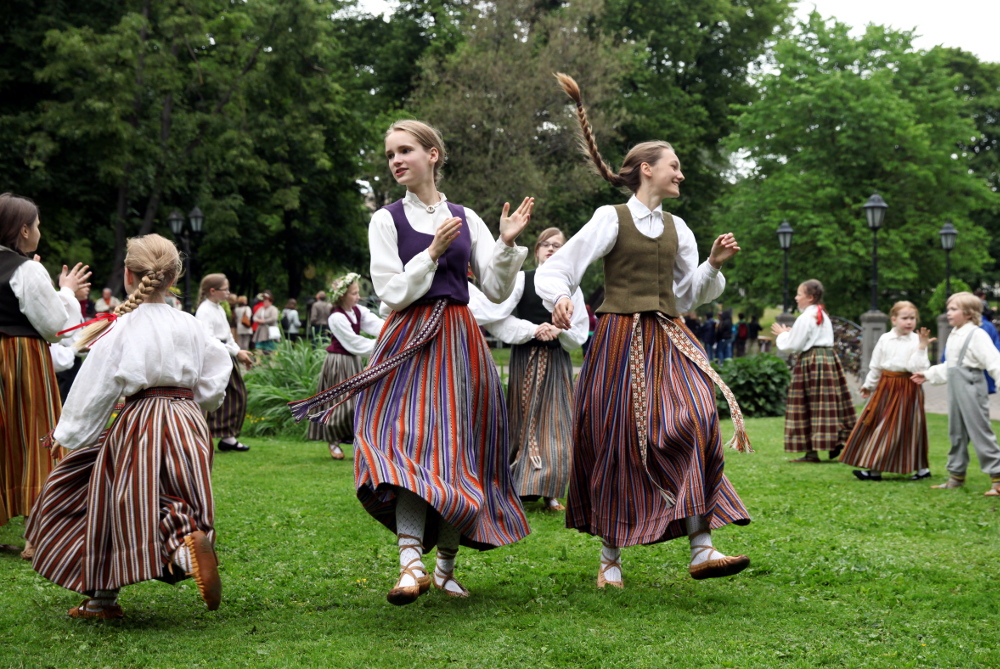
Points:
(430, 443)
(819, 413)
(31, 315)
(648, 459)
(226, 422)
(968, 351)
(135, 503)
(266, 318)
(343, 360)
(891, 434)
(540, 387)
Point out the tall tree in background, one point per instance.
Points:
(839, 119)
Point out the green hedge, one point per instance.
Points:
(759, 383)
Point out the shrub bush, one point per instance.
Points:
(936, 304)
(290, 373)
(759, 383)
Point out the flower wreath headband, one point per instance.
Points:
(341, 284)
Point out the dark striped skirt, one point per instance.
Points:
(819, 413)
(112, 514)
(437, 426)
(227, 420)
(337, 368)
(891, 434)
(540, 416)
(29, 409)
(611, 493)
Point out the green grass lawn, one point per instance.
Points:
(844, 574)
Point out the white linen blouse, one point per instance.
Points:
(561, 274)
(805, 333)
(895, 353)
(154, 345)
(49, 311)
(500, 321)
(398, 286)
(214, 318)
(341, 328)
(981, 354)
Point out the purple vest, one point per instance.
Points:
(335, 346)
(451, 278)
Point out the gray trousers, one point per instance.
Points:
(969, 420)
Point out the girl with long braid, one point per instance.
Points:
(430, 442)
(648, 457)
(134, 502)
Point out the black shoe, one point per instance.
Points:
(862, 475)
(223, 446)
(835, 453)
(918, 476)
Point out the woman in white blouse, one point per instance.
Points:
(819, 413)
(891, 433)
(31, 315)
(347, 321)
(226, 422)
(133, 501)
(540, 385)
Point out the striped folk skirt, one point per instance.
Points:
(612, 494)
(29, 409)
(891, 434)
(112, 514)
(819, 413)
(227, 420)
(540, 417)
(337, 368)
(437, 426)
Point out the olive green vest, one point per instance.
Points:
(639, 270)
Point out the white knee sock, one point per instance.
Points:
(411, 512)
(448, 539)
(102, 599)
(699, 536)
(611, 553)
(182, 558)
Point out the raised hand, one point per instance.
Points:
(75, 278)
(511, 226)
(925, 337)
(562, 315)
(723, 248)
(444, 236)
(778, 328)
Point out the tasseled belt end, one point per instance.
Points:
(301, 408)
(740, 442)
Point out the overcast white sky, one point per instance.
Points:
(972, 25)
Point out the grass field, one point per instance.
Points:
(844, 574)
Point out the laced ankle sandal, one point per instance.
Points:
(401, 595)
(605, 566)
(444, 577)
(724, 566)
(950, 484)
(104, 613)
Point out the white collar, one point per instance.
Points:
(641, 211)
(415, 201)
(899, 336)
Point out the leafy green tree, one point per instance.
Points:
(838, 119)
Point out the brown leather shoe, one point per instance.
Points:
(726, 566)
(105, 613)
(204, 568)
(336, 452)
(401, 595)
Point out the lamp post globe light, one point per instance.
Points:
(195, 228)
(875, 213)
(948, 236)
(785, 233)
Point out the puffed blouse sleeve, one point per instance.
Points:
(370, 323)
(49, 311)
(487, 312)
(796, 339)
(576, 336)
(95, 392)
(340, 328)
(216, 366)
(561, 274)
(694, 284)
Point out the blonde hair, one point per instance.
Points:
(629, 177)
(904, 304)
(970, 305)
(153, 260)
(427, 136)
(208, 283)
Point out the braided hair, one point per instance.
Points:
(629, 176)
(153, 258)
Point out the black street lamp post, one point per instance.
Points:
(197, 224)
(785, 233)
(875, 212)
(948, 236)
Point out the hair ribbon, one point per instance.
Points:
(97, 319)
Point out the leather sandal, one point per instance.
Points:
(336, 452)
(444, 577)
(105, 613)
(401, 595)
(950, 484)
(554, 507)
(204, 568)
(724, 566)
(605, 566)
(993, 492)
